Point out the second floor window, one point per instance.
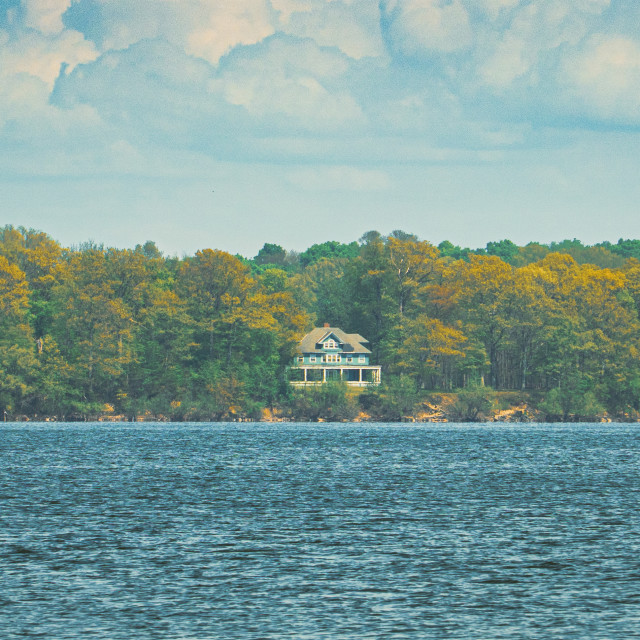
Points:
(331, 344)
(332, 357)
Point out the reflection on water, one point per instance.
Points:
(319, 531)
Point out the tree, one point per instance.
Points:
(396, 399)
(325, 289)
(484, 305)
(215, 284)
(94, 326)
(412, 263)
(372, 309)
(504, 249)
(271, 254)
(431, 352)
(328, 250)
(18, 366)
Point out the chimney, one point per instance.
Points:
(326, 325)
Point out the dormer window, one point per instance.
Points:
(331, 344)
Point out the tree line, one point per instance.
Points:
(89, 330)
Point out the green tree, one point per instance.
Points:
(18, 365)
(504, 249)
(271, 254)
(328, 250)
(94, 327)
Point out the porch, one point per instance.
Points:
(354, 376)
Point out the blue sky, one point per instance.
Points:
(202, 123)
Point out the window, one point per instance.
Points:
(331, 344)
(332, 357)
(349, 359)
(312, 358)
(300, 358)
(362, 359)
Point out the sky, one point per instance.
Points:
(231, 123)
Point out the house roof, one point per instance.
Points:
(353, 342)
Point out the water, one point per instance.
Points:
(319, 532)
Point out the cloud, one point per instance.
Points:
(39, 139)
(603, 79)
(494, 8)
(211, 29)
(221, 27)
(298, 84)
(42, 56)
(537, 32)
(199, 27)
(353, 27)
(150, 91)
(422, 27)
(327, 81)
(154, 94)
(45, 15)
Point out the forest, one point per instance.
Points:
(93, 332)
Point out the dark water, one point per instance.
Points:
(319, 531)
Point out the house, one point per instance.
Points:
(328, 353)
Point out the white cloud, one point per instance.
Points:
(41, 56)
(422, 26)
(211, 29)
(286, 8)
(494, 8)
(200, 27)
(45, 15)
(42, 139)
(353, 27)
(535, 30)
(222, 27)
(291, 79)
(604, 79)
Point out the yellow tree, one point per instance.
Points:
(590, 337)
(14, 291)
(482, 295)
(431, 352)
(18, 366)
(533, 316)
(609, 327)
(412, 263)
(95, 327)
(214, 284)
(37, 255)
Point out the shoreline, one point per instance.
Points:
(484, 406)
(240, 420)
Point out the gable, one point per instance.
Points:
(331, 336)
(314, 341)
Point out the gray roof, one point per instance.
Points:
(352, 342)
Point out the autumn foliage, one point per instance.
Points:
(93, 330)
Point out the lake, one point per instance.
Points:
(319, 531)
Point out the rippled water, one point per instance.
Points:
(319, 531)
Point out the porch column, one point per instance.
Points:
(360, 372)
(341, 374)
(305, 375)
(324, 375)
